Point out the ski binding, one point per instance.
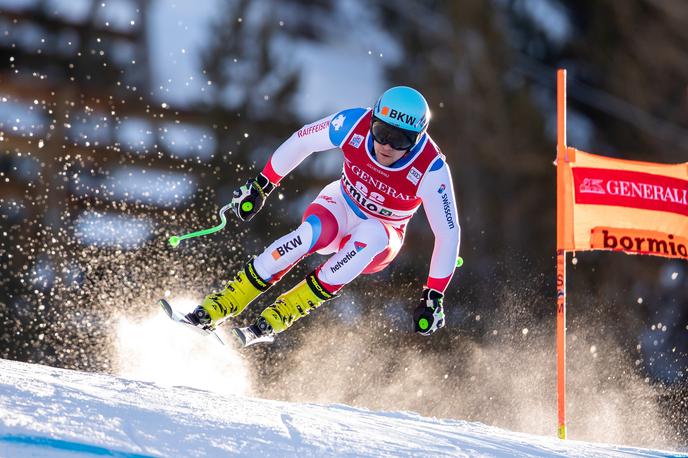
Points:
(179, 317)
(251, 335)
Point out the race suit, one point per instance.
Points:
(362, 217)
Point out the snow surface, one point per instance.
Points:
(49, 412)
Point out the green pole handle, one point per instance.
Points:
(176, 239)
(459, 261)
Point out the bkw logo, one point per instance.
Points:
(395, 114)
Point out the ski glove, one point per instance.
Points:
(250, 198)
(429, 315)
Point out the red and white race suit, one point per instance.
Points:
(362, 218)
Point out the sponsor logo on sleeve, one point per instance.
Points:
(414, 175)
(313, 128)
(441, 189)
(338, 122)
(356, 140)
(447, 208)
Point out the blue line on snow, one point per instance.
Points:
(68, 445)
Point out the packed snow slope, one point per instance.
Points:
(53, 412)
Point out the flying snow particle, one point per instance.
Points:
(674, 275)
(640, 300)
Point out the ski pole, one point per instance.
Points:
(175, 239)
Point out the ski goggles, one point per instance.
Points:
(399, 139)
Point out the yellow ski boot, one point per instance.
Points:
(231, 301)
(296, 303)
(289, 307)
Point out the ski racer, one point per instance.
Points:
(391, 167)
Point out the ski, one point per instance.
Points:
(179, 317)
(251, 335)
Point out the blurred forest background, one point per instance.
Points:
(109, 144)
